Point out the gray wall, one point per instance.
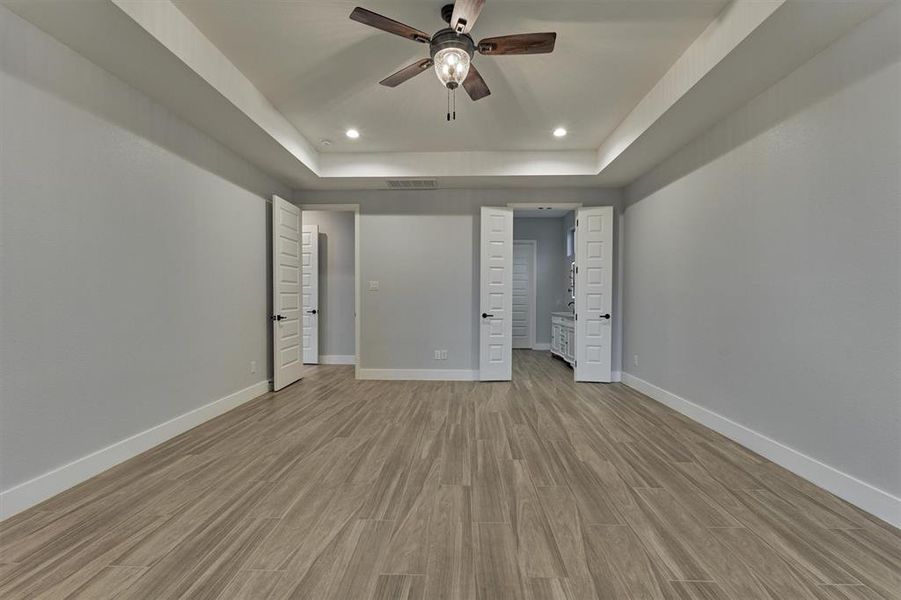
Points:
(763, 261)
(336, 280)
(133, 260)
(551, 277)
(423, 248)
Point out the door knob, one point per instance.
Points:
(278, 318)
(486, 315)
(312, 312)
(607, 316)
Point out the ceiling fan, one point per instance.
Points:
(451, 49)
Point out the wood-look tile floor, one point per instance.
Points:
(539, 489)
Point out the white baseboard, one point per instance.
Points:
(419, 374)
(337, 359)
(30, 493)
(859, 493)
(541, 346)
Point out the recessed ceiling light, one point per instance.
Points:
(353, 134)
(559, 132)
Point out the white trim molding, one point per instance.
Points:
(419, 374)
(42, 487)
(332, 207)
(337, 359)
(542, 205)
(859, 493)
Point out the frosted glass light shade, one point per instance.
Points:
(451, 66)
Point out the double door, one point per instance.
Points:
(590, 345)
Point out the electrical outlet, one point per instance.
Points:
(253, 367)
(634, 360)
(437, 354)
(444, 355)
(373, 286)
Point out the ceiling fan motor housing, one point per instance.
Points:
(448, 38)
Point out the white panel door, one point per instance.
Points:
(523, 291)
(496, 295)
(594, 293)
(286, 272)
(310, 293)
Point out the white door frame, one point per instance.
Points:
(533, 284)
(358, 315)
(537, 205)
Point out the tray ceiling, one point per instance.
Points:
(321, 70)
(632, 81)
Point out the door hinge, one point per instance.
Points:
(576, 316)
(577, 222)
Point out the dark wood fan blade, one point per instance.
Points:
(465, 14)
(474, 84)
(523, 43)
(367, 17)
(408, 72)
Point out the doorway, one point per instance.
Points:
(330, 284)
(544, 231)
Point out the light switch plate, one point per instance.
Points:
(373, 286)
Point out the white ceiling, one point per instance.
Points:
(321, 70)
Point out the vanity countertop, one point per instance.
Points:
(565, 315)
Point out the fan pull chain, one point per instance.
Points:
(455, 104)
(451, 105)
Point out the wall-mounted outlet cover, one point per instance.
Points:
(373, 286)
(253, 367)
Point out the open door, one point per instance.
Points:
(594, 293)
(496, 295)
(310, 293)
(286, 304)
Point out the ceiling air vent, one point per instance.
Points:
(412, 184)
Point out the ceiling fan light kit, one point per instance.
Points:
(451, 49)
(452, 56)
